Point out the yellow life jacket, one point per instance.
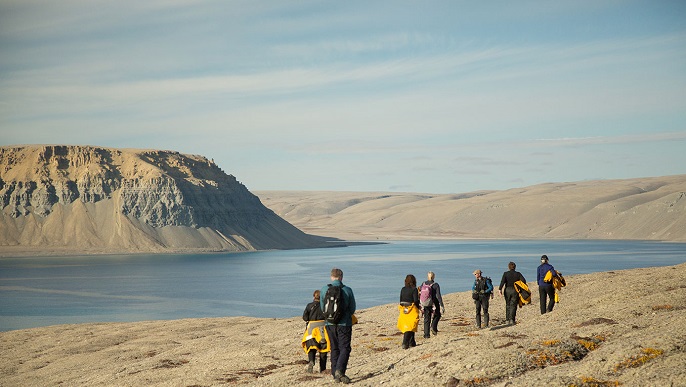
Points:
(316, 337)
(548, 277)
(408, 318)
(558, 283)
(524, 293)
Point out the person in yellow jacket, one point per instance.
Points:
(408, 311)
(315, 339)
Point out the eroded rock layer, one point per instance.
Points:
(85, 198)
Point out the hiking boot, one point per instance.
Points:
(309, 368)
(337, 376)
(405, 346)
(434, 332)
(344, 379)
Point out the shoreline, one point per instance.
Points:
(610, 312)
(7, 253)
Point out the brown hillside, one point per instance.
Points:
(642, 209)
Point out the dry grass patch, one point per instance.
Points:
(586, 381)
(662, 307)
(645, 356)
(551, 352)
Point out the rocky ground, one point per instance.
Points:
(615, 328)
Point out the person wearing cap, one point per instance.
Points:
(482, 290)
(546, 291)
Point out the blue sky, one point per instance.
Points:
(434, 97)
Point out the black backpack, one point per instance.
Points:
(333, 304)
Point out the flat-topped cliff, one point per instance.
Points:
(65, 199)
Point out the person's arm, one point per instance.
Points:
(306, 313)
(352, 306)
(489, 286)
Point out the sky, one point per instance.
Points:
(397, 96)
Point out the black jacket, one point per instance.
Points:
(509, 278)
(313, 312)
(409, 295)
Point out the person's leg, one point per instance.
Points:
(511, 306)
(427, 322)
(551, 298)
(322, 361)
(542, 293)
(413, 342)
(345, 335)
(310, 360)
(406, 339)
(335, 351)
(477, 303)
(434, 321)
(484, 306)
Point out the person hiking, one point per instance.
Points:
(511, 296)
(545, 285)
(408, 311)
(339, 328)
(482, 291)
(432, 303)
(315, 339)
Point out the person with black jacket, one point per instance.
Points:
(482, 291)
(314, 317)
(409, 298)
(511, 297)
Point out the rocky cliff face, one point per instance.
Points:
(83, 198)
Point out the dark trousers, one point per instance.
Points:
(511, 303)
(322, 358)
(408, 340)
(482, 303)
(547, 291)
(431, 318)
(340, 337)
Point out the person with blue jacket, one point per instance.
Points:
(545, 289)
(340, 334)
(482, 291)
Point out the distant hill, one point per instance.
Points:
(85, 199)
(641, 209)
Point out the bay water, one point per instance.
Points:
(42, 291)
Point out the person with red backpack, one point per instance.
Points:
(432, 303)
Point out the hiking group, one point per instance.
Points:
(330, 327)
(330, 316)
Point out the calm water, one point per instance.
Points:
(56, 290)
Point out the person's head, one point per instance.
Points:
(336, 274)
(430, 276)
(316, 295)
(511, 265)
(410, 281)
(477, 273)
(544, 258)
